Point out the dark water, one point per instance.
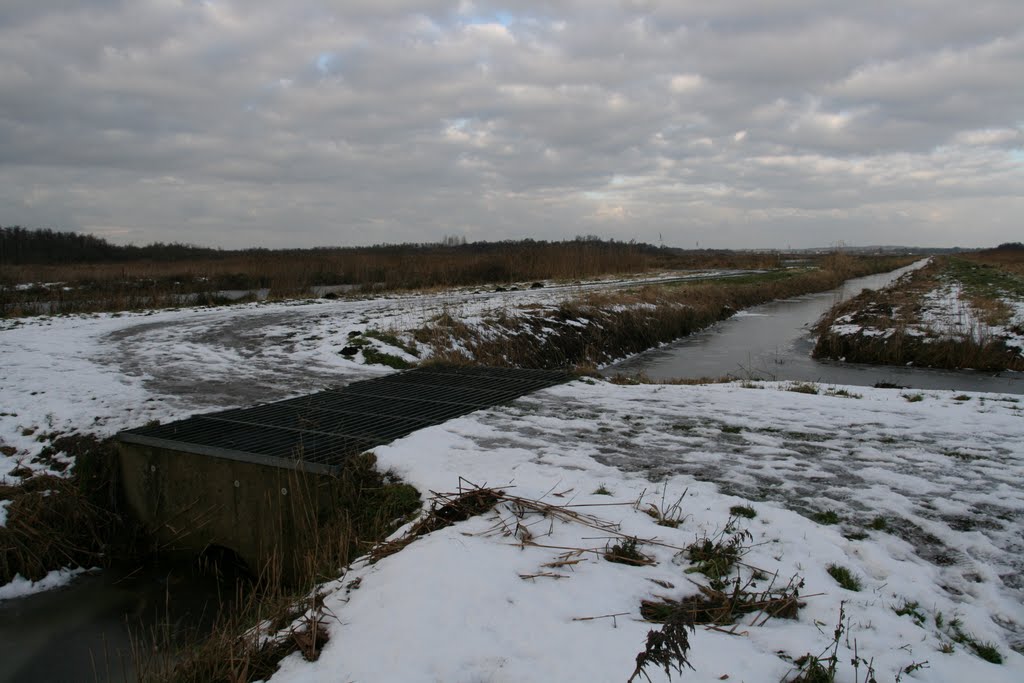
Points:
(773, 341)
(84, 631)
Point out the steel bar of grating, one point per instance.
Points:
(320, 430)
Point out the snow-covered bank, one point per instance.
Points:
(953, 313)
(944, 475)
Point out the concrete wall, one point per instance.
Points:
(187, 502)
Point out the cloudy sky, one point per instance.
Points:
(728, 123)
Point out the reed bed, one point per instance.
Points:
(31, 289)
(600, 327)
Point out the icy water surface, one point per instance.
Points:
(773, 341)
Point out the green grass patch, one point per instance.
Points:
(984, 280)
(844, 577)
(602, 490)
(391, 340)
(826, 517)
(744, 511)
(879, 523)
(912, 609)
(375, 357)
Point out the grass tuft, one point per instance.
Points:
(844, 577)
(745, 511)
(826, 517)
(626, 552)
(715, 557)
(375, 357)
(911, 609)
(879, 523)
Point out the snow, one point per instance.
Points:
(21, 587)
(945, 312)
(452, 606)
(3, 512)
(102, 373)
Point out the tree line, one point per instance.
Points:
(23, 246)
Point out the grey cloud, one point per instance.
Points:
(733, 123)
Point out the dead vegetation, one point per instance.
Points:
(725, 607)
(598, 327)
(889, 326)
(273, 617)
(60, 521)
(200, 279)
(78, 520)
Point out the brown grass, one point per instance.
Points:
(58, 521)
(77, 521)
(274, 618)
(292, 273)
(724, 607)
(985, 278)
(600, 327)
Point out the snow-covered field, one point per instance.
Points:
(943, 472)
(106, 372)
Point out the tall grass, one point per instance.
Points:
(280, 611)
(599, 327)
(78, 520)
(293, 273)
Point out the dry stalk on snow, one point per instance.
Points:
(722, 608)
(513, 522)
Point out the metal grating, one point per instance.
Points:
(321, 430)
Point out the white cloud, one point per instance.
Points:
(989, 136)
(686, 83)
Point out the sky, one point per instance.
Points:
(711, 123)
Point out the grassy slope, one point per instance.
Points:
(895, 331)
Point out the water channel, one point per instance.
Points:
(87, 631)
(773, 341)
